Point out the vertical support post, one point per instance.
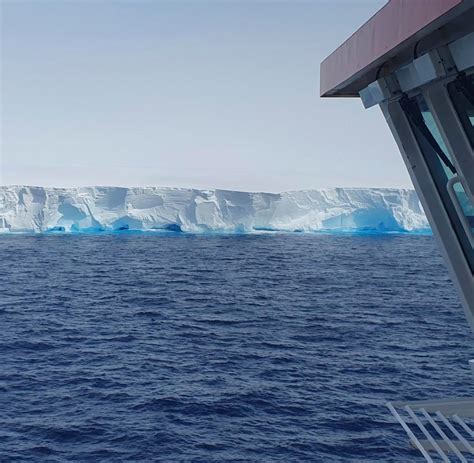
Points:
(433, 205)
(457, 142)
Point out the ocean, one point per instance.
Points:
(176, 347)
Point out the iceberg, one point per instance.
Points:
(84, 209)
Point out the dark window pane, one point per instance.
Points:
(461, 92)
(442, 170)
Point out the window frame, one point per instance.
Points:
(435, 157)
(461, 93)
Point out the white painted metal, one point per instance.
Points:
(381, 90)
(427, 434)
(452, 193)
(412, 436)
(420, 71)
(452, 131)
(443, 435)
(463, 52)
(455, 432)
(432, 204)
(373, 94)
(462, 423)
(420, 417)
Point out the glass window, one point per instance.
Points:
(465, 205)
(461, 92)
(462, 198)
(441, 149)
(455, 199)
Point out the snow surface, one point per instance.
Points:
(37, 209)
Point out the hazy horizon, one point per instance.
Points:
(24, 185)
(203, 94)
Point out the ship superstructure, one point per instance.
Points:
(415, 60)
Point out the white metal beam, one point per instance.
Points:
(433, 205)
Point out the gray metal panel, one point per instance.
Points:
(419, 72)
(373, 95)
(463, 52)
(463, 407)
(457, 142)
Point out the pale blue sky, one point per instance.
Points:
(206, 94)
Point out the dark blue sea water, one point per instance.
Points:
(222, 348)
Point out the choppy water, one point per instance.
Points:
(264, 347)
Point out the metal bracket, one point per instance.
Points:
(458, 207)
(462, 51)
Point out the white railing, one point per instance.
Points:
(441, 430)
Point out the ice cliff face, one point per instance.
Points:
(36, 209)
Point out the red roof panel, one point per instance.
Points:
(395, 23)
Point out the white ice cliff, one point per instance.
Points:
(37, 209)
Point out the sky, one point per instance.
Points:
(203, 94)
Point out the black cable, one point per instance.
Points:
(377, 75)
(466, 87)
(415, 116)
(415, 49)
